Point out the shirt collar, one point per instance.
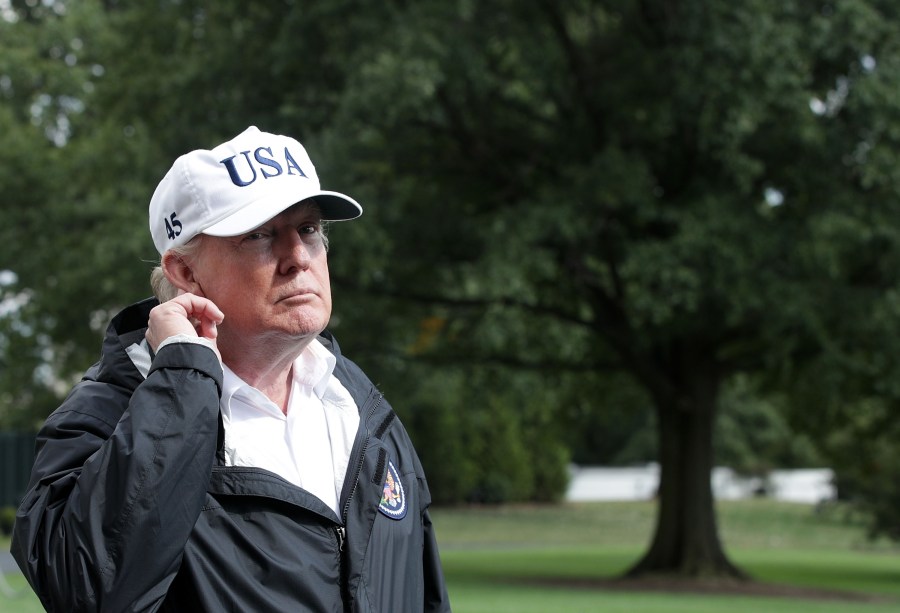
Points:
(313, 367)
(311, 370)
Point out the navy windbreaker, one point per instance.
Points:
(131, 508)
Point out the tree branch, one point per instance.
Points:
(468, 303)
(575, 61)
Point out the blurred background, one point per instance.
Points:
(630, 233)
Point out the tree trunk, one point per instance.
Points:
(686, 541)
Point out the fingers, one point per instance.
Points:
(187, 314)
(201, 309)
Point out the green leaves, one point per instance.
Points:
(569, 188)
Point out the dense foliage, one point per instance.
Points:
(572, 209)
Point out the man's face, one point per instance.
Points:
(271, 283)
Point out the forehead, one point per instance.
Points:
(306, 210)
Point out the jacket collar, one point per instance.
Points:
(125, 329)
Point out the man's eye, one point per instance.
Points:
(309, 229)
(254, 236)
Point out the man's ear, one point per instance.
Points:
(180, 273)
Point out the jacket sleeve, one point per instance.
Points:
(111, 504)
(436, 598)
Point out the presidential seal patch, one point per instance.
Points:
(393, 498)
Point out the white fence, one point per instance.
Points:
(808, 485)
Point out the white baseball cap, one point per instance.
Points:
(236, 187)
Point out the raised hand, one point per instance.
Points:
(187, 314)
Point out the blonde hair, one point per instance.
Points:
(162, 287)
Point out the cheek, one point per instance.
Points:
(326, 289)
(221, 290)
(324, 279)
(236, 295)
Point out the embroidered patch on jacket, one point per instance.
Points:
(393, 498)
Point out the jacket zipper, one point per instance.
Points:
(341, 531)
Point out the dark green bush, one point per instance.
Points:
(486, 438)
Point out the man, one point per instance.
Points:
(223, 455)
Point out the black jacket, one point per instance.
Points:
(131, 508)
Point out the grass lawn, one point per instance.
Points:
(16, 595)
(563, 559)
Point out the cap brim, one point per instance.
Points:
(337, 207)
(333, 205)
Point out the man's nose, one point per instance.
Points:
(293, 252)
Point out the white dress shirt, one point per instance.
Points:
(310, 446)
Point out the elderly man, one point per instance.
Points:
(223, 455)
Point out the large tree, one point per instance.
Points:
(683, 191)
(675, 191)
